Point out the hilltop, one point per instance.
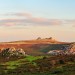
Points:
(38, 46)
(35, 41)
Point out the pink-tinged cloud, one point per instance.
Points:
(26, 14)
(56, 22)
(29, 19)
(38, 19)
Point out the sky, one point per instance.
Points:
(29, 19)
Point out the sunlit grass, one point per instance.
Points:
(27, 59)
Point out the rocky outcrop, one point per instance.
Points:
(69, 49)
(56, 52)
(8, 52)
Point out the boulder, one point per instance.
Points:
(12, 52)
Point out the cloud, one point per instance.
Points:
(56, 21)
(39, 20)
(24, 19)
(30, 21)
(27, 15)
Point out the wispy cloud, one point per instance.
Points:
(24, 19)
(24, 14)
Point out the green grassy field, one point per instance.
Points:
(39, 65)
(16, 63)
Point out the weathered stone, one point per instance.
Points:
(12, 52)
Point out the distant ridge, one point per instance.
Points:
(36, 41)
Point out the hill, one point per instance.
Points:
(36, 41)
(35, 47)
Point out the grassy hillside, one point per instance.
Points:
(39, 65)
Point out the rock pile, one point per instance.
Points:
(12, 52)
(70, 49)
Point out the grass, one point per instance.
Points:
(27, 59)
(23, 64)
(32, 58)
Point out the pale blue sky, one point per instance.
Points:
(49, 17)
(46, 8)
